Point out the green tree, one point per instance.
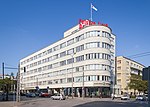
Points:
(136, 83)
(6, 85)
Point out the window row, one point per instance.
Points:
(71, 60)
(89, 67)
(98, 56)
(71, 51)
(69, 80)
(69, 42)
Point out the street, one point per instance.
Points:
(77, 102)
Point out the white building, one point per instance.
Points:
(87, 50)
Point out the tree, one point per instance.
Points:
(136, 83)
(6, 84)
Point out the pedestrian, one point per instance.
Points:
(100, 95)
(112, 95)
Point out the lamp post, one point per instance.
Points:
(72, 73)
(83, 93)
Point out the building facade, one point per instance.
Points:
(83, 60)
(125, 67)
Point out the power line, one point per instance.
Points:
(140, 54)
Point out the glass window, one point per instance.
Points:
(71, 51)
(63, 45)
(69, 61)
(63, 54)
(70, 42)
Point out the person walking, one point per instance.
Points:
(100, 95)
(112, 96)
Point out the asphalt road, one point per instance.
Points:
(79, 102)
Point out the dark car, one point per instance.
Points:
(30, 95)
(42, 94)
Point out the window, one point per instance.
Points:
(119, 61)
(49, 58)
(105, 45)
(98, 33)
(69, 70)
(92, 45)
(79, 38)
(55, 56)
(93, 56)
(63, 54)
(127, 62)
(103, 78)
(80, 58)
(105, 34)
(80, 48)
(49, 82)
(70, 42)
(39, 62)
(119, 68)
(71, 51)
(105, 56)
(69, 79)
(56, 48)
(80, 68)
(49, 51)
(63, 45)
(69, 61)
(63, 63)
(55, 65)
(98, 78)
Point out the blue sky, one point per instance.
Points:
(26, 26)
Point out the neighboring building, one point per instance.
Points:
(124, 68)
(87, 50)
(5, 76)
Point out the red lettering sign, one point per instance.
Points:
(83, 23)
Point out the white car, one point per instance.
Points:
(141, 98)
(58, 97)
(125, 97)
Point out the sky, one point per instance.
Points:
(27, 26)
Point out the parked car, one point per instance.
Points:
(141, 97)
(125, 97)
(30, 95)
(58, 97)
(42, 94)
(146, 95)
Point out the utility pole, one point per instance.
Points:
(3, 70)
(149, 86)
(18, 85)
(3, 79)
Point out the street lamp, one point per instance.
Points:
(83, 93)
(72, 71)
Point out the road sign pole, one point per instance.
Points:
(149, 86)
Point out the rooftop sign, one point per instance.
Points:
(83, 23)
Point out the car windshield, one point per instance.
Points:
(125, 95)
(140, 96)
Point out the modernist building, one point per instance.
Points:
(86, 51)
(125, 67)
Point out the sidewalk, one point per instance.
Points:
(8, 104)
(17, 104)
